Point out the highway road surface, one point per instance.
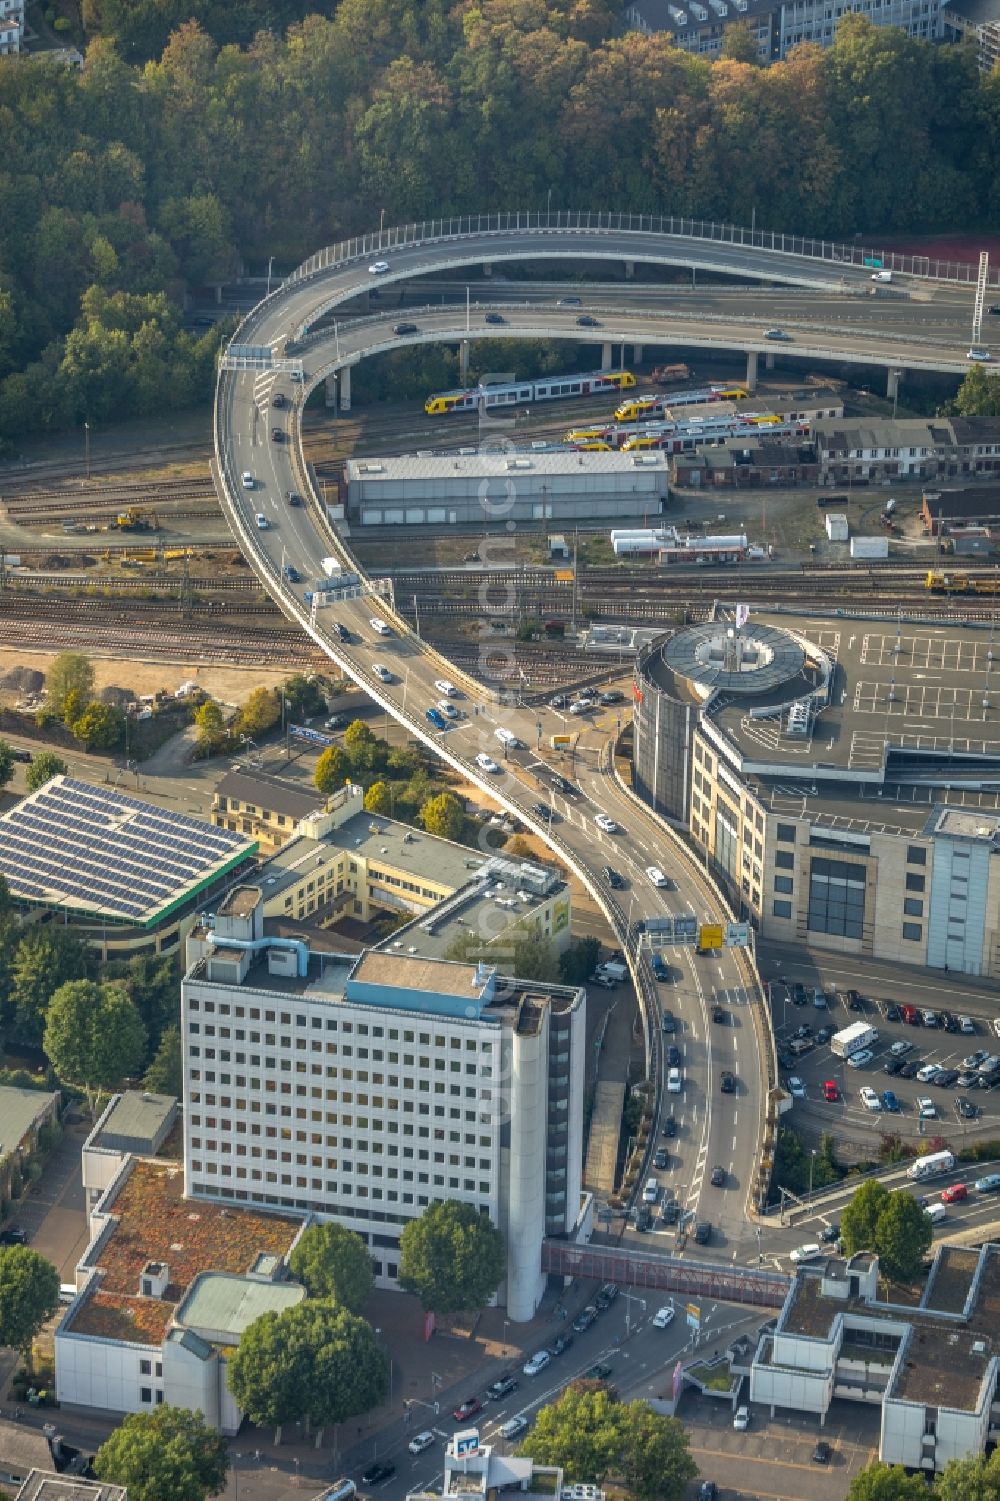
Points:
(715, 1129)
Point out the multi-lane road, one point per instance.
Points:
(715, 1129)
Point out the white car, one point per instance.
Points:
(380, 626)
(486, 763)
(926, 1109)
(996, 1025)
(447, 708)
(247, 480)
(860, 1058)
(967, 1025)
(805, 1253)
(978, 354)
(421, 1441)
(513, 1427)
(655, 875)
(604, 822)
(674, 1081)
(664, 1317)
(537, 1363)
(928, 1072)
(741, 1419)
(869, 1098)
(382, 673)
(262, 521)
(448, 689)
(582, 706)
(651, 1192)
(899, 1048)
(796, 1088)
(378, 268)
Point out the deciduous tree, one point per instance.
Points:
(169, 1454)
(333, 769)
(860, 1217)
(334, 1263)
(71, 672)
(443, 815)
(29, 1295)
(165, 1075)
(6, 763)
(882, 1482)
(46, 765)
(46, 957)
(378, 798)
(594, 1436)
(902, 1237)
(93, 1035)
(452, 1257)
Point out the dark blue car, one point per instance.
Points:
(437, 719)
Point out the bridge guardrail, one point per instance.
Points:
(433, 231)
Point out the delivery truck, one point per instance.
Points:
(852, 1039)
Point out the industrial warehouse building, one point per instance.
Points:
(932, 1368)
(364, 1087)
(841, 778)
(775, 25)
(459, 489)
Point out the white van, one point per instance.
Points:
(936, 1213)
(881, 276)
(508, 738)
(247, 480)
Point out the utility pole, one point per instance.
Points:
(416, 616)
(86, 447)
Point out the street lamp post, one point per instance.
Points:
(548, 206)
(86, 447)
(270, 263)
(812, 1160)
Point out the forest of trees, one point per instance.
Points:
(175, 156)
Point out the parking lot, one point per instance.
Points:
(772, 1460)
(829, 1087)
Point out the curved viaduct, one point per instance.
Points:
(729, 1129)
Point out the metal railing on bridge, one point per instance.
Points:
(466, 226)
(706, 1279)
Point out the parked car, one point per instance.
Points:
(926, 1109)
(892, 1013)
(911, 1069)
(899, 1048)
(869, 1098)
(945, 1078)
(966, 1109)
(966, 1024)
(890, 1102)
(796, 1088)
(13, 1235)
(585, 1318)
(861, 1058)
(821, 1453)
(537, 1363)
(741, 1419)
(560, 1344)
(893, 1066)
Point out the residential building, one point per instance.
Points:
(776, 25)
(265, 808)
(841, 783)
(24, 1115)
(865, 451)
(732, 464)
(50, 1485)
(165, 1287)
(129, 876)
(363, 1088)
(931, 1367)
(979, 19)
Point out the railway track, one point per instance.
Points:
(248, 647)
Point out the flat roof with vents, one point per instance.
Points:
(95, 851)
(445, 466)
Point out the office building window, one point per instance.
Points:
(784, 860)
(781, 909)
(912, 931)
(786, 833)
(783, 883)
(916, 854)
(836, 897)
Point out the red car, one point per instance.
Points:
(911, 1016)
(467, 1409)
(954, 1194)
(830, 1091)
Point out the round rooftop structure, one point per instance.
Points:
(719, 657)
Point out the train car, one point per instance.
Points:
(680, 437)
(645, 406)
(549, 388)
(962, 583)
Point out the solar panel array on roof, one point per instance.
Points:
(104, 849)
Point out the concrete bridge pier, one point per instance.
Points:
(463, 361)
(892, 383)
(629, 270)
(487, 268)
(345, 389)
(606, 355)
(769, 360)
(637, 354)
(751, 381)
(331, 391)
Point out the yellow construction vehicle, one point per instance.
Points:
(137, 520)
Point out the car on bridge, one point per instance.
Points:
(436, 718)
(674, 1081)
(605, 824)
(444, 686)
(382, 673)
(405, 328)
(656, 877)
(486, 763)
(263, 525)
(796, 1088)
(614, 880)
(379, 626)
(586, 321)
(378, 268)
(776, 333)
(291, 573)
(494, 318)
(247, 480)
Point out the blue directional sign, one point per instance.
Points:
(312, 737)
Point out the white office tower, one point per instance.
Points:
(362, 1088)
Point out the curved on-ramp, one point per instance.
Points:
(296, 306)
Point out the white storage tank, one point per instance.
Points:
(837, 528)
(869, 547)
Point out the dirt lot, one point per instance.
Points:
(229, 684)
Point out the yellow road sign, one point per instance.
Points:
(710, 936)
